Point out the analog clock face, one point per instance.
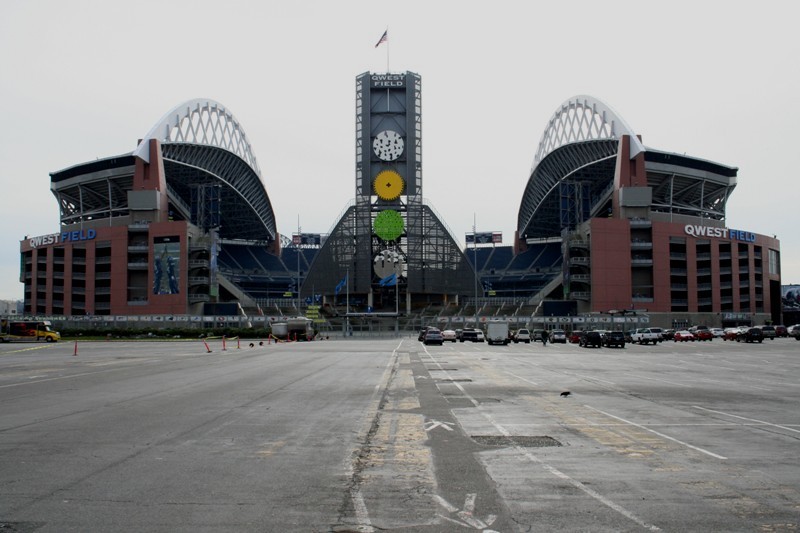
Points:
(388, 262)
(388, 145)
(389, 225)
(388, 185)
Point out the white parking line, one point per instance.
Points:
(748, 419)
(661, 380)
(556, 472)
(673, 439)
(521, 378)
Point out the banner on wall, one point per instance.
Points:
(166, 265)
(790, 296)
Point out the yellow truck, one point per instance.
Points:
(27, 330)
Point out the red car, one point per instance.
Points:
(703, 335)
(683, 336)
(575, 337)
(730, 334)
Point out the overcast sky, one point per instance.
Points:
(81, 80)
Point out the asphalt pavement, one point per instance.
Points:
(347, 435)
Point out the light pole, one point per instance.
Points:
(297, 251)
(475, 265)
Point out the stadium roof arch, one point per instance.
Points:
(578, 145)
(572, 176)
(203, 143)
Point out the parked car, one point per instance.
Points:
(558, 335)
(433, 336)
(645, 336)
(614, 338)
(792, 330)
(459, 331)
(575, 337)
(683, 335)
(718, 333)
(668, 334)
(449, 335)
(591, 338)
(421, 336)
(522, 335)
(768, 331)
(781, 331)
(750, 335)
(659, 332)
(703, 335)
(536, 335)
(472, 335)
(731, 334)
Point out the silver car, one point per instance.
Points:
(558, 335)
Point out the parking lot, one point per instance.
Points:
(390, 434)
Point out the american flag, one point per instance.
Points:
(383, 38)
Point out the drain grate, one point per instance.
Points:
(522, 441)
(442, 380)
(442, 369)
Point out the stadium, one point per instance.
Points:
(609, 232)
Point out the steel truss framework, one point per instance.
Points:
(582, 132)
(246, 211)
(587, 168)
(96, 195)
(435, 263)
(204, 122)
(687, 186)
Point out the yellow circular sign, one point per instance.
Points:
(388, 185)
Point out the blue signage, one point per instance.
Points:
(724, 233)
(80, 235)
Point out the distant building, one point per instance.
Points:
(11, 307)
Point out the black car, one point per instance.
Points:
(768, 332)
(614, 338)
(591, 338)
(422, 332)
(750, 335)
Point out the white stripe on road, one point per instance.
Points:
(745, 418)
(673, 439)
(554, 471)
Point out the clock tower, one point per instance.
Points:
(390, 244)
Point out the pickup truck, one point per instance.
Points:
(645, 336)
